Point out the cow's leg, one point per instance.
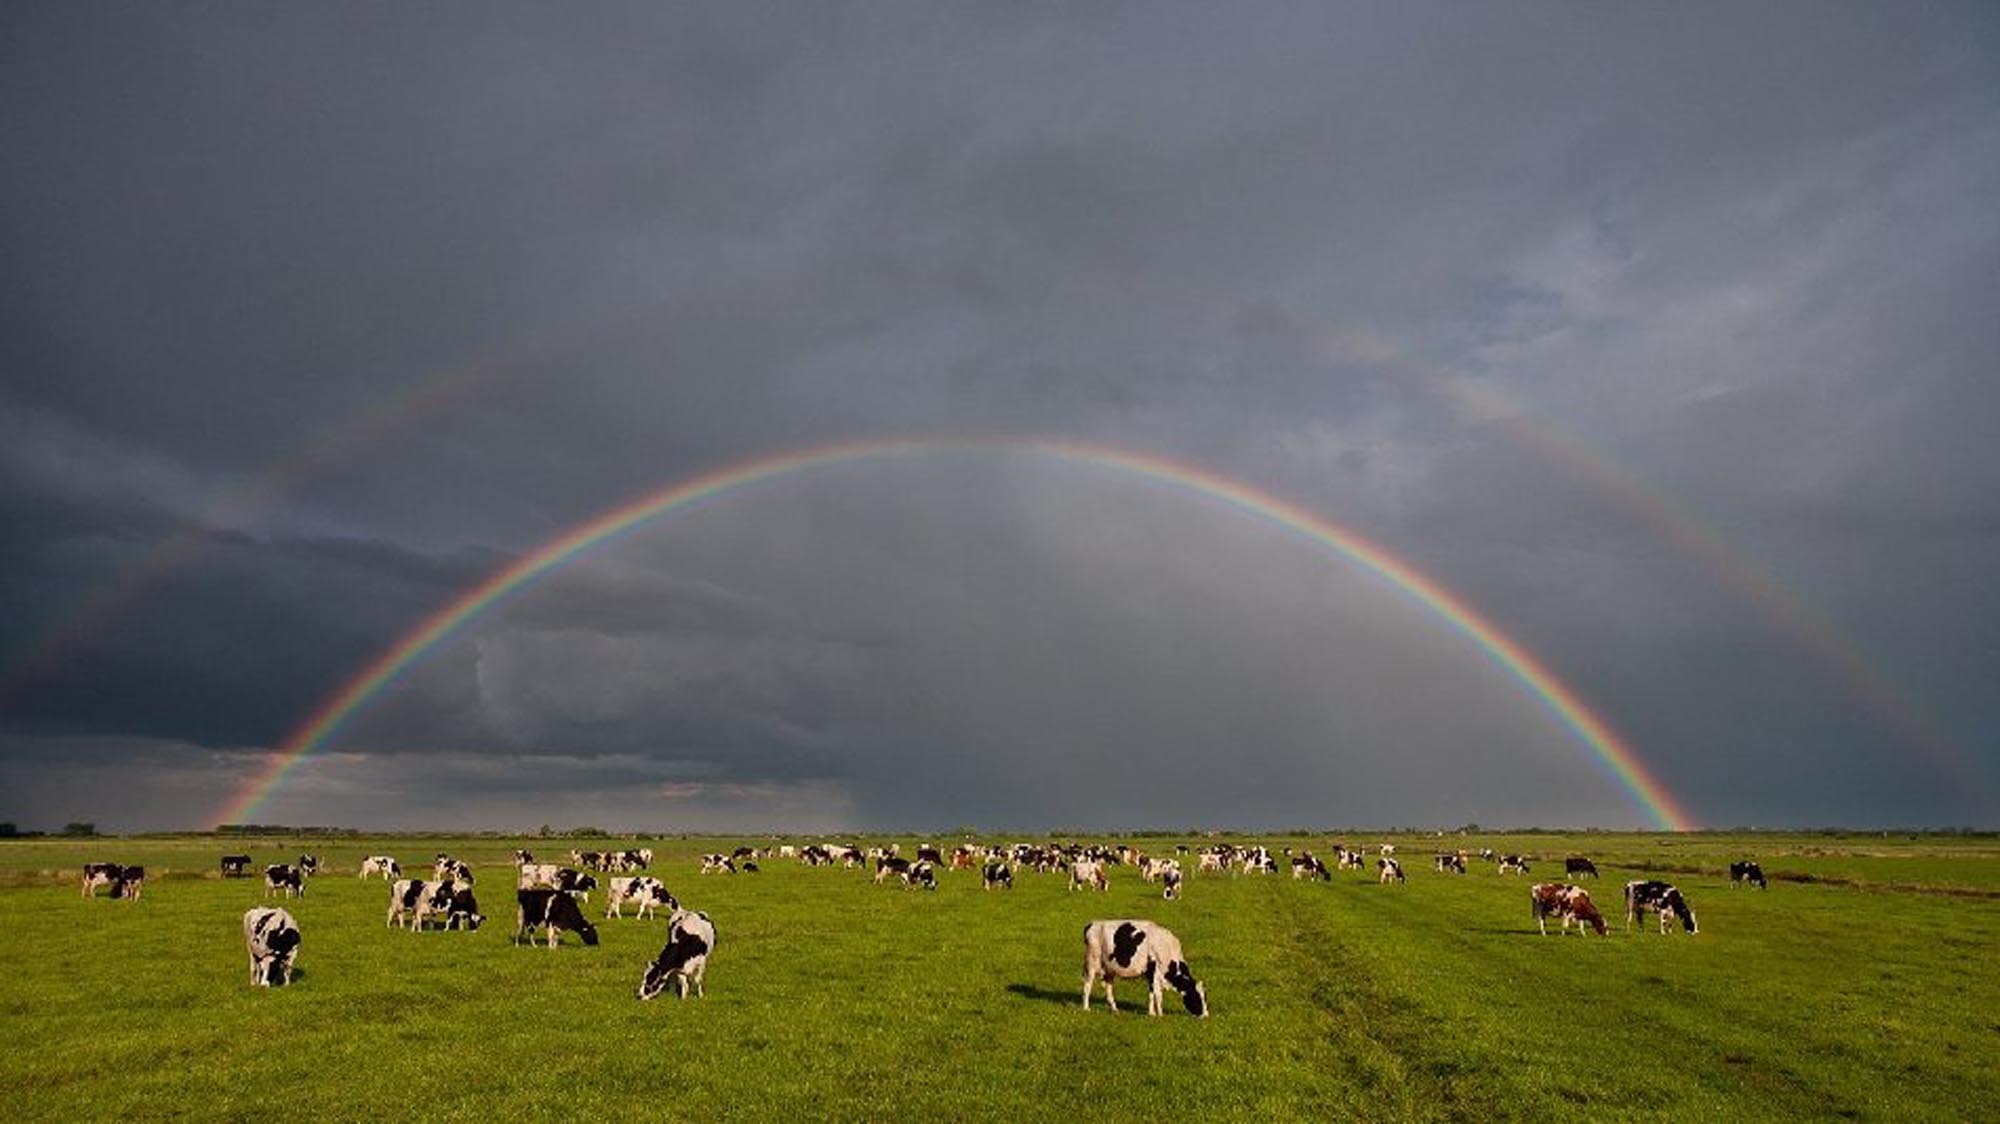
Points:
(1089, 982)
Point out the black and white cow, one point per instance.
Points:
(997, 873)
(1304, 865)
(280, 877)
(1513, 864)
(1391, 870)
(383, 865)
(308, 865)
(100, 874)
(235, 866)
(887, 865)
(450, 868)
(923, 873)
(1574, 866)
(553, 909)
(273, 940)
(130, 884)
(718, 864)
(1662, 898)
(576, 882)
(411, 900)
(1449, 863)
(690, 938)
(1345, 859)
(522, 857)
(1747, 873)
(1088, 872)
(1123, 950)
(644, 891)
(1171, 883)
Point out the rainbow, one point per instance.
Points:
(1556, 697)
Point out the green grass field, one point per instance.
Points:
(1862, 985)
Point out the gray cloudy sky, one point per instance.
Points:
(1495, 286)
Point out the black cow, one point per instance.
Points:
(235, 866)
(1579, 866)
(1661, 897)
(279, 877)
(1747, 872)
(554, 909)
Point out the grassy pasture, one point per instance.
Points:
(1862, 985)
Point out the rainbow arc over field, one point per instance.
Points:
(1610, 749)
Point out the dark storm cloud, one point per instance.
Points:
(376, 300)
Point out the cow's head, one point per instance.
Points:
(1193, 995)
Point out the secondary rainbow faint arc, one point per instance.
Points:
(1612, 750)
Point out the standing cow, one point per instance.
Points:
(1661, 897)
(272, 938)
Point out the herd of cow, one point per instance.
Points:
(549, 897)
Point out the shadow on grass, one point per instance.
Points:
(1047, 995)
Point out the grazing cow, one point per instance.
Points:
(887, 865)
(1304, 865)
(450, 868)
(1662, 898)
(998, 873)
(463, 910)
(130, 883)
(308, 865)
(1210, 861)
(646, 892)
(1349, 860)
(643, 856)
(554, 909)
(690, 938)
(522, 857)
(963, 858)
(1513, 864)
(235, 866)
(410, 900)
(1486, 854)
(1449, 862)
(1171, 883)
(1088, 872)
(928, 853)
(1123, 950)
(788, 851)
(749, 867)
(1572, 866)
(1746, 873)
(923, 873)
(717, 864)
(383, 865)
(273, 940)
(279, 877)
(1259, 859)
(1569, 904)
(99, 874)
(1392, 871)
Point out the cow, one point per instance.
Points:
(553, 909)
(99, 874)
(279, 877)
(788, 851)
(646, 892)
(235, 866)
(1388, 849)
(928, 853)
(1662, 898)
(1210, 861)
(1567, 903)
(130, 883)
(1392, 871)
(308, 865)
(963, 858)
(717, 864)
(522, 857)
(1513, 864)
(1349, 860)
(997, 873)
(1088, 872)
(1573, 866)
(923, 873)
(887, 865)
(1746, 873)
(643, 857)
(1445, 863)
(576, 882)
(411, 900)
(462, 912)
(1304, 865)
(1259, 859)
(531, 875)
(383, 865)
(1171, 883)
(1123, 950)
(273, 940)
(450, 868)
(690, 938)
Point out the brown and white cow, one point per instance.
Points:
(1568, 904)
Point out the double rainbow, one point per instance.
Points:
(1615, 754)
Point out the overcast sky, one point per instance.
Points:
(1664, 335)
